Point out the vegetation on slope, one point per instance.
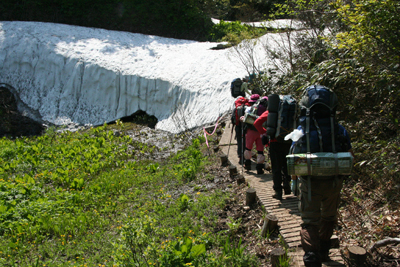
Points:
(98, 198)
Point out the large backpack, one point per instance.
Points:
(254, 112)
(317, 119)
(282, 113)
(238, 111)
(315, 153)
(236, 85)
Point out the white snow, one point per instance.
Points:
(91, 76)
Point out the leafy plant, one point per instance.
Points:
(234, 225)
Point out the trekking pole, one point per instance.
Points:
(230, 140)
(241, 150)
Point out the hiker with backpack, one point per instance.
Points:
(324, 157)
(238, 111)
(273, 125)
(239, 87)
(259, 105)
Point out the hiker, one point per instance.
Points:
(278, 149)
(319, 195)
(238, 111)
(252, 136)
(239, 87)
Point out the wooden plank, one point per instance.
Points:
(289, 230)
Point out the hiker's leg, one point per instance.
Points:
(260, 155)
(309, 238)
(239, 141)
(276, 169)
(247, 150)
(329, 207)
(310, 214)
(285, 147)
(260, 162)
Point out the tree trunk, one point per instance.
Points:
(270, 224)
(250, 196)
(224, 160)
(232, 171)
(278, 255)
(357, 255)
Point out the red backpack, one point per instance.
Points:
(240, 104)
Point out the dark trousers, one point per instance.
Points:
(319, 216)
(240, 139)
(278, 152)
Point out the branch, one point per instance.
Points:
(385, 242)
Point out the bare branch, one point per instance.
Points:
(385, 242)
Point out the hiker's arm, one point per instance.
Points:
(259, 122)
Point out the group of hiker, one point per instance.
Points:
(310, 154)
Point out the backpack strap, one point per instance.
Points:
(334, 145)
(279, 120)
(308, 153)
(321, 147)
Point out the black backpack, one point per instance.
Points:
(282, 114)
(236, 85)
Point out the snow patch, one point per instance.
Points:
(71, 74)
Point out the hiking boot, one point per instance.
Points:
(325, 257)
(247, 164)
(260, 168)
(287, 189)
(311, 260)
(325, 245)
(277, 195)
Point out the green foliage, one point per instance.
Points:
(223, 28)
(191, 161)
(373, 30)
(80, 198)
(234, 225)
(234, 32)
(233, 255)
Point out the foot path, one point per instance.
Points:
(286, 211)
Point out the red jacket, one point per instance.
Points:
(259, 122)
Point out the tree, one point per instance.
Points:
(373, 33)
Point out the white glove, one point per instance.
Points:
(295, 135)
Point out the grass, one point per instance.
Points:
(86, 199)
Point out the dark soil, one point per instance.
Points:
(13, 123)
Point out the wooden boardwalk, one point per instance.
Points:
(286, 211)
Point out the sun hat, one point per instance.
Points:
(254, 98)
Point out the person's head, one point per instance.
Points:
(253, 99)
